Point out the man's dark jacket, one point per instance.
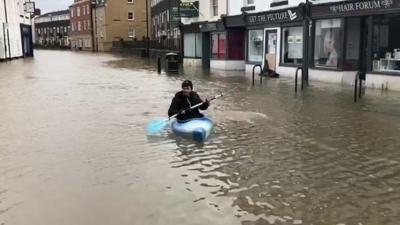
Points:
(181, 102)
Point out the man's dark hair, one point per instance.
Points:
(187, 83)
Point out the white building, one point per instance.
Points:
(15, 30)
(204, 34)
(346, 38)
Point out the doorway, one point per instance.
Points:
(271, 42)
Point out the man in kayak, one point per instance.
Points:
(184, 100)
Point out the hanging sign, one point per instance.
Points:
(189, 9)
(355, 8)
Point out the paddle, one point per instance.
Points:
(157, 124)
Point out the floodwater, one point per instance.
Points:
(73, 149)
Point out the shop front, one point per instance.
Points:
(274, 38)
(192, 44)
(357, 37)
(226, 46)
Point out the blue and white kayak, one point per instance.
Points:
(198, 128)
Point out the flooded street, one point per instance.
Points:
(73, 148)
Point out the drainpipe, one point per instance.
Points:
(8, 32)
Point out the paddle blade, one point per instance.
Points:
(156, 125)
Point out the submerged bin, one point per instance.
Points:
(172, 62)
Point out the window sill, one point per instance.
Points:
(289, 65)
(371, 73)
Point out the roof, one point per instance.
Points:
(56, 13)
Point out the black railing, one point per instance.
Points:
(254, 67)
(296, 78)
(358, 86)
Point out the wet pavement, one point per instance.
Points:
(73, 148)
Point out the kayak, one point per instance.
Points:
(198, 128)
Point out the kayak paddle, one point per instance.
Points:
(157, 124)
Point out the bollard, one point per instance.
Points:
(159, 64)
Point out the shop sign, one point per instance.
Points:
(355, 8)
(288, 15)
(189, 9)
(209, 27)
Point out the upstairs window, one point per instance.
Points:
(131, 16)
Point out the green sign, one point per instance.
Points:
(174, 16)
(189, 9)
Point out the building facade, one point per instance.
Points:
(15, 30)
(205, 36)
(165, 23)
(81, 34)
(52, 29)
(118, 20)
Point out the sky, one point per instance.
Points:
(52, 5)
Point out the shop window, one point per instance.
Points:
(218, 41)
(328, 47)
(236, 45)
(255, 45)
(292, 46)
(385, 44)
(192, 45)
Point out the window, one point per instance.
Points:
(385, 44)
(72, 27)
(255, 45)
(328, 48)
(72, 12)
(84, 25)
(248, 2)
(79, 26)
(218, 45)
(87, 10)
(192, 45)
(131, 32)
(130, 1)
(78, 11)
(83, 10)
(214, 7)
(292, 48)
(130, 16)
(88, 24)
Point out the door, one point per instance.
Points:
(271, 38)
(206, 53)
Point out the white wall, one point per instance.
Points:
(260, 6)
(15, 10)
(205, 11)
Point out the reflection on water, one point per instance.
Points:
(73, 149)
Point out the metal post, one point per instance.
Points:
(147, 30)
(306, 37)
(355, 88)
(159, 64)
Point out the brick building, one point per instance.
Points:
(81, 27)
(118, 20)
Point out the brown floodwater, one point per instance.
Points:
(73, 148)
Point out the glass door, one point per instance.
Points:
(271, 37)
